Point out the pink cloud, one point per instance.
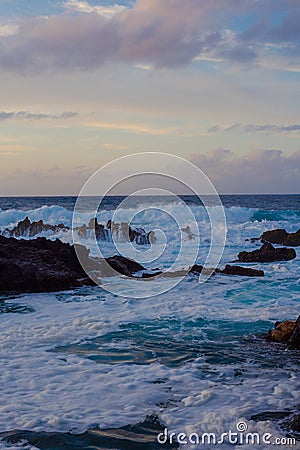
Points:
(166, 33)
(260, 171)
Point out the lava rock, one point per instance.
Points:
(242, 271)
(119, 231)
(268, 253)
(41, 265)
(26, 228)
(124, 265)
(151, 275)
(281, 237)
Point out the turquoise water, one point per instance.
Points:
(77, 360)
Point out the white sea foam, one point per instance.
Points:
(46, 391)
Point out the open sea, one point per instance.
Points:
(87, 369)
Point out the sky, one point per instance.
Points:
(84, 82)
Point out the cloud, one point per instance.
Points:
(26, 115)
(15, 149)
(259, 171)
(168, 33)
(254, 128)
(137, 128)
(85, 7)
(53, 180)
(8, 30)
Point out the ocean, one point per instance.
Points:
(86, 368)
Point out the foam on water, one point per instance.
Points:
(48, 391)
(59, 352)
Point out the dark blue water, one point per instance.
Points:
(263, 202)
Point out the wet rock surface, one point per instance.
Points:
(281, 237)
(26, 228)
(286, 332)
(121, 232)
(198, 269)
(241, 271)
(282, 331)
(268, 253)
(41, 265)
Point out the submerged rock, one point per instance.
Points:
(268, 253)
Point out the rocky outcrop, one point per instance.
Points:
(123, 265)
(230, 270)
(268, 253)
(282, 331)
(26, 228)
(198, 269)
(281, 237)
(286, 332)
(41, 265)
(121, 232)
(242, 271)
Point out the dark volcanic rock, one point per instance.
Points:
(294, 341)
(281, 237)
(123, 265)
(40, 265)
(274, 236)
(242, 271)
(122, 232)
(198, 269)
(268, 253)
(27, 228)
(119, 231)
(151, 275)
